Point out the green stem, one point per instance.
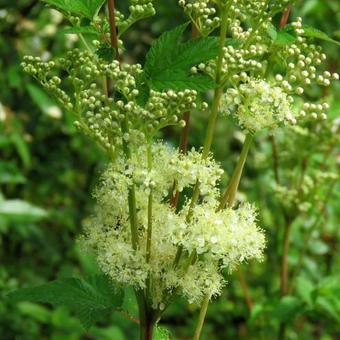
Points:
(201, 318)
(284, 259)
(149, 229)
(219, 86)
(208, 141)
(131, 194)
(228, 197)
(194, 199)
(85, 42)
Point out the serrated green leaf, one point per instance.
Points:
(89, 298)
(19, 210)
(178, 81)
(163, 47)
(169, 61)
(83, 8)
(313, 32)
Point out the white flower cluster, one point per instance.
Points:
(258, 105)
(221, 239)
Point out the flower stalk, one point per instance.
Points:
(229, 195)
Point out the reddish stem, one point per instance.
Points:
(285, 16)
(113, 30)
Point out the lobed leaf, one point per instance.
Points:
(168, 62)
(313, 32)
(89, 298)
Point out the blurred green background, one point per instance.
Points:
(48, 171)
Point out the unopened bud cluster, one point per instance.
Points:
(139, 9)
(100, 116)
(203, 13)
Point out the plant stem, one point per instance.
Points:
(285, 16)
(219, 86)
(284, 259)
(288, 222)
(183, 144)
(131, 194)
(201, 318)
(141, 300)
(215, 105)
(208, 141)
(275, 159)
(113, 29)
(149, 229)
(228, 197)
(147, 328)
(245, 289)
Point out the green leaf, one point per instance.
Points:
(35, 311)
(288, 308)
(168, 62)
(271, 31)
(284, 38)
(109, 333)
(80, 29)
(313, 32)
(330, 306)
(83, 8)
(89, 299)
(19, 210)
(304, 288)
(42, 100)
(106, 53)
(161, 333)
(129, 304)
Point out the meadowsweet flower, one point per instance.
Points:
(220, 238)
(257, 105)
(230, 236)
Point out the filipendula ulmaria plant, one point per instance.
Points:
(139, 238)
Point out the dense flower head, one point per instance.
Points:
(221, 239)
(258, 105)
